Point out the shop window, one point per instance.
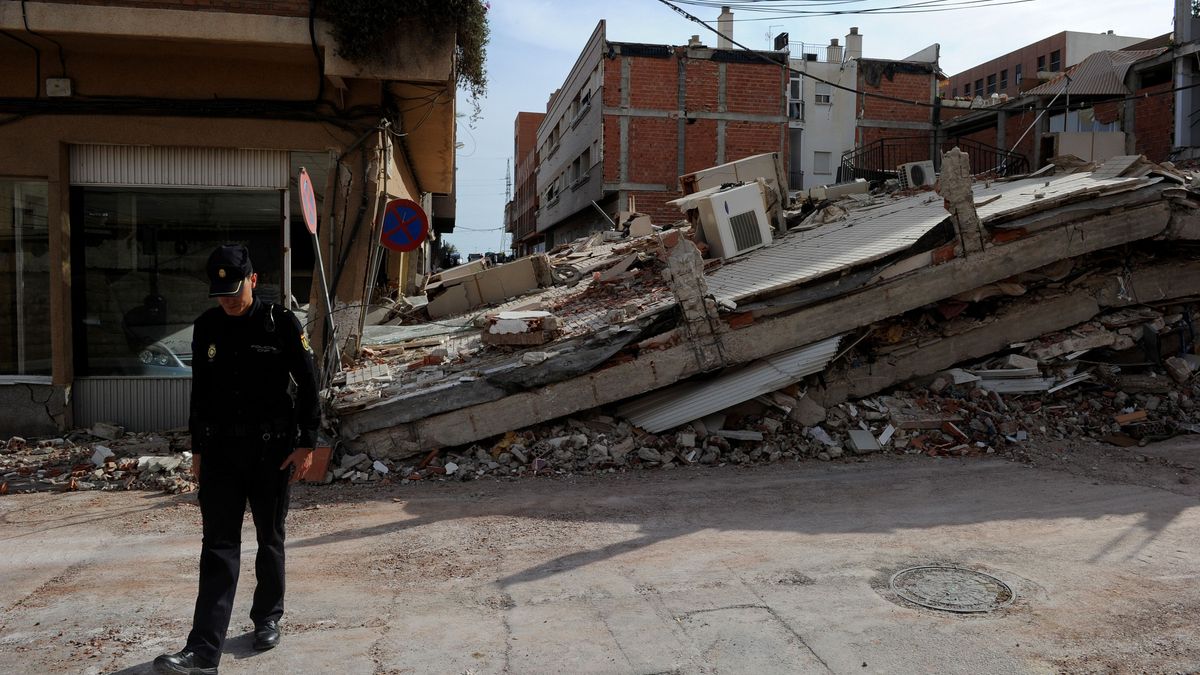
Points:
(139, 281)
(24, 279)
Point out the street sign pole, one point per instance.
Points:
(308, 204)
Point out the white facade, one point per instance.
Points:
(1082, 45)
(821, 117)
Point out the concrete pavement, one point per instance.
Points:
(779, 568)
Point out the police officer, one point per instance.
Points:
(251, 438)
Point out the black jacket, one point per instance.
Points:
(241, 370)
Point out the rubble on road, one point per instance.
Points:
(104, 457)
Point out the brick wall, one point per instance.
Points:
(701, 80)
(653, 150)
(1154, 122)
(275, 7)
(751, 89)
(906, 86)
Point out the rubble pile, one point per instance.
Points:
(1066, 385)
(940, 418)
(101, 458)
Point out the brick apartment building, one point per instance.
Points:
(521, 212)
(135, 135)
(631, 118)
(1018, 70)
(901, 130)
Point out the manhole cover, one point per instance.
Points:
(951, 589)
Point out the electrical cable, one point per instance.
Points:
(37, 63)
(885, 97)
(312, 38)
(62, 59)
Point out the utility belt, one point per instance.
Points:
(267, 432)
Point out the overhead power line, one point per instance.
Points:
(784, 9)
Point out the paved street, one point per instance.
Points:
(781, 568)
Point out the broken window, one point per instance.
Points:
(823, 94)
(24, 279)
(796, 98)
(823, 163)
(1055, 61)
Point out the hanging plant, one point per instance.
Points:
(363, 28)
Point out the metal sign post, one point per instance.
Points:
(308, 204)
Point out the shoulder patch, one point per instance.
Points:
(304, 342)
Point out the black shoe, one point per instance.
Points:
(266, 635)
(184, 663)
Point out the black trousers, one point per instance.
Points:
(239, 472)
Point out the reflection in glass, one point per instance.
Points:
(24, 279)
(144, 282)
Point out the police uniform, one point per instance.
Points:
(244, 424)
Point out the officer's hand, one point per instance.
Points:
(301, 459)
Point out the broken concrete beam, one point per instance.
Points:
(739, 435)
(954, 184)
(1069, 344)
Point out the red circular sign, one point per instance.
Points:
(405, 225)
(308, 202)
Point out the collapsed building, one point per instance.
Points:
(850, 298)
(984, 316)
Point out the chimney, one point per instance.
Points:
(834, 54)
(695, 41)
(854, 44)
(725, 28)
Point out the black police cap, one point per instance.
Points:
(228, 267)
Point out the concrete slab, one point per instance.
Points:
(776, 569)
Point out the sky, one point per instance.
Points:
(534, 43)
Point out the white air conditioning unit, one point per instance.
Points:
(916, 174)
(735, 220)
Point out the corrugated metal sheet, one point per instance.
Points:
(136, 403)
(680, 404)
(138, 165)
(867, 234)
(1101, 74)
(875, 232)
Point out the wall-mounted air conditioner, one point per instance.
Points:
(734, 220)
(916, 174)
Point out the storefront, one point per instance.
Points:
(143, 221)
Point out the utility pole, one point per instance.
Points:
(507, 200)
